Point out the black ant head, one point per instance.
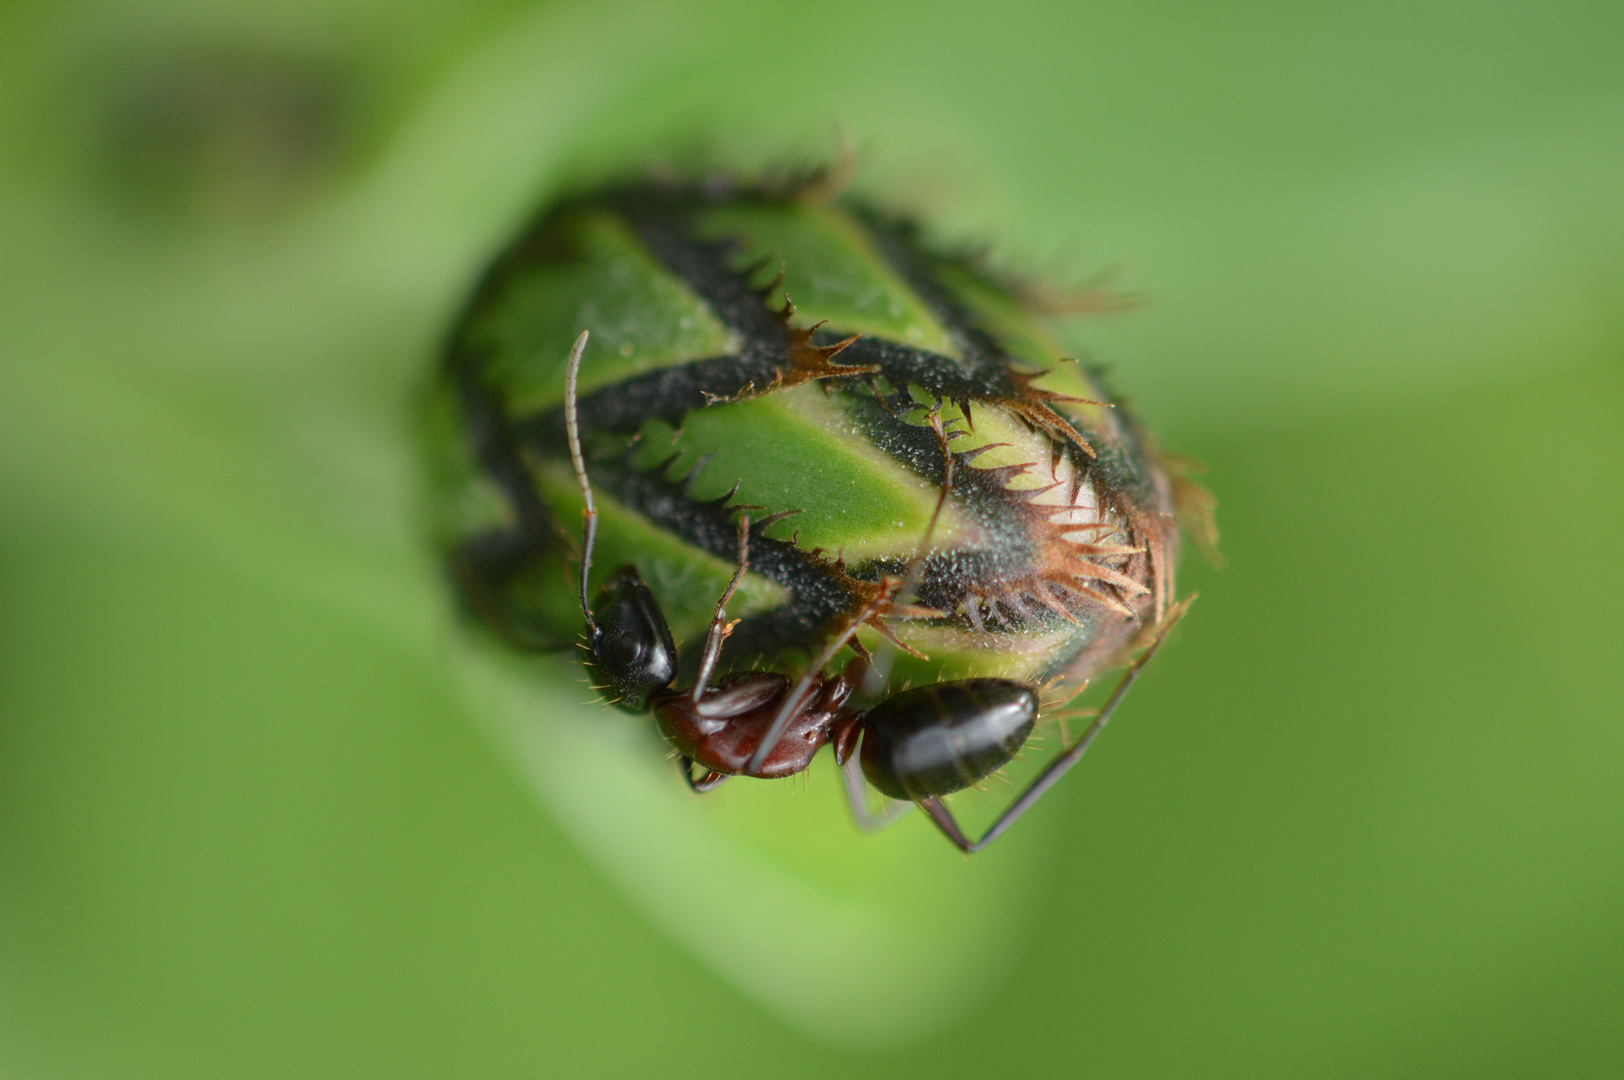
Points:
(633, 656)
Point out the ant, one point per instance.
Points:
(916, 745)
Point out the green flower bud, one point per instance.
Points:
(882, 410)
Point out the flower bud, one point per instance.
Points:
(884, 411)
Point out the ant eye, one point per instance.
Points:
(628, 649)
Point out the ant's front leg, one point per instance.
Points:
(720, 628)
(707, 783)
(943, 817)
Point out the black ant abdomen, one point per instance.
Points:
(938, 739)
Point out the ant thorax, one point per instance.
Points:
(727, 725)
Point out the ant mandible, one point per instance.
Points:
(916, 745)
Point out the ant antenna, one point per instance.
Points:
(572, 428)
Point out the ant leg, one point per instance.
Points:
(720, 627)
(709, 782)
(795, 699)
(1056, 768)
(857, 798)
(943, 817)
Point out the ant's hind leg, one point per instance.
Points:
(707, 783)
(943, 817)
(857, 798)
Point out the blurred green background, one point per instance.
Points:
(264, 813)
